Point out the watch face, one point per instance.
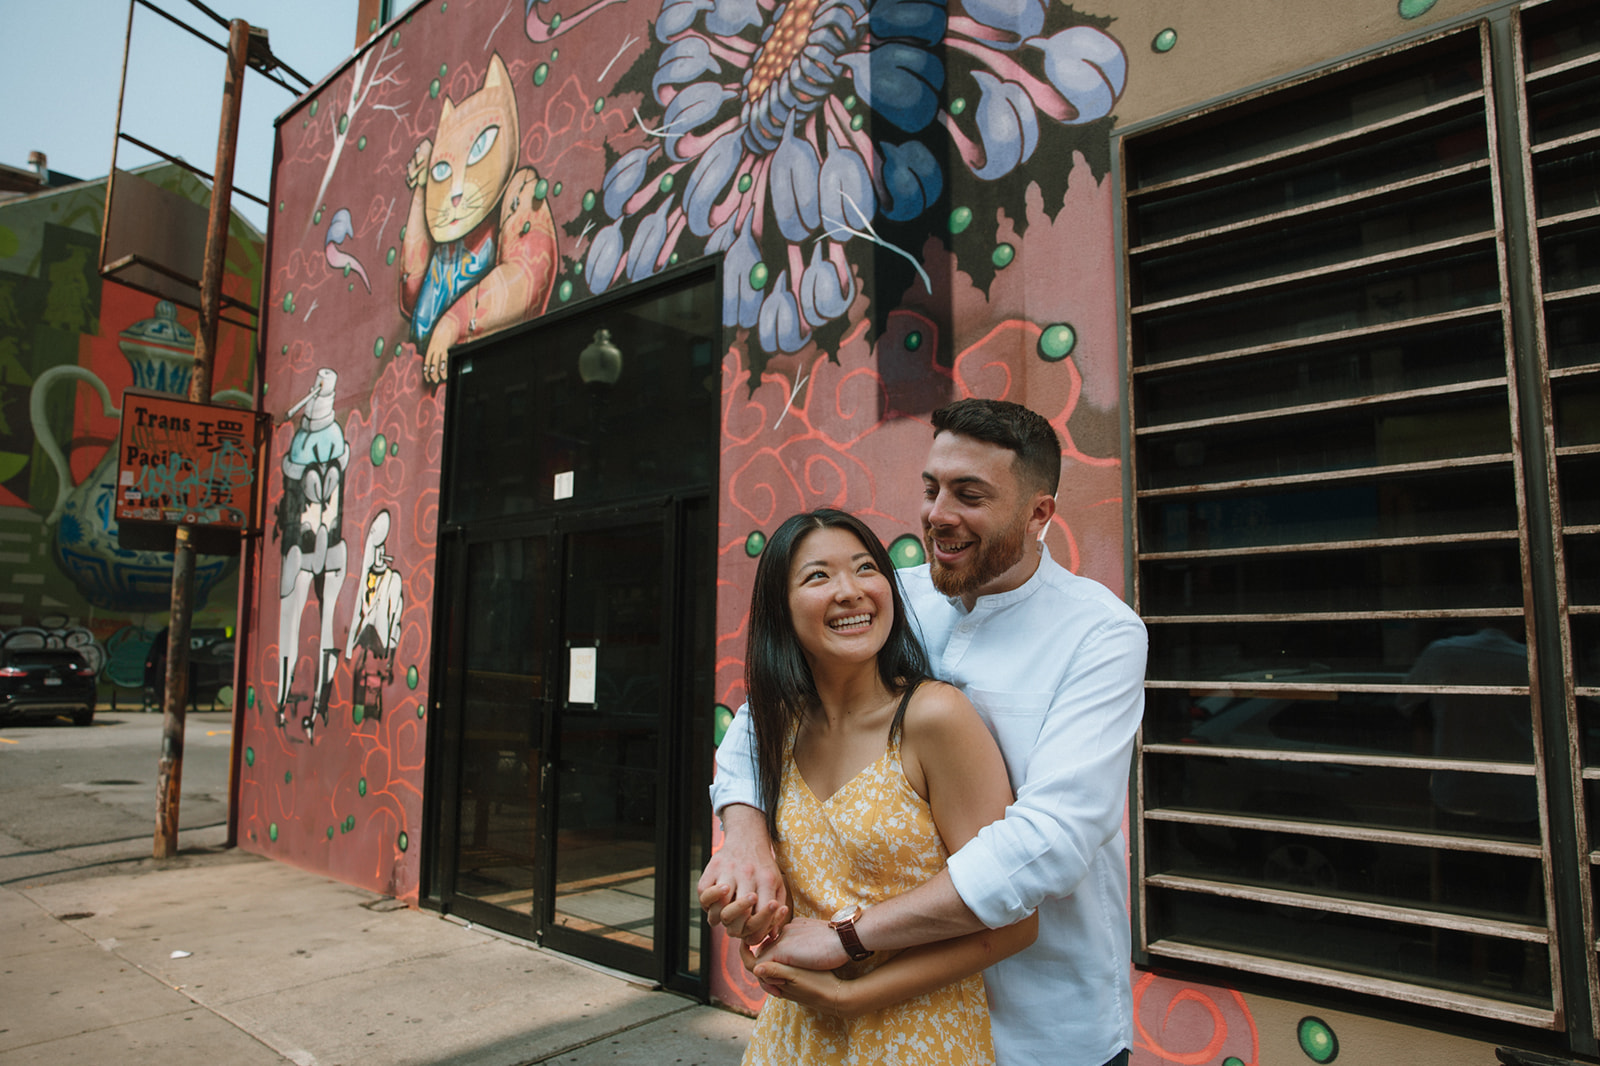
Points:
(843, 914)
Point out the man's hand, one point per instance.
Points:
(742, 889)
(806, 944)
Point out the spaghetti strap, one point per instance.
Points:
(897, 725)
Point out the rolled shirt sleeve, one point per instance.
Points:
(1072, 796)
(735, 780)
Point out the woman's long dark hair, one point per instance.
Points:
(777, 678)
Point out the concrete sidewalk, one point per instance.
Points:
(276, 965)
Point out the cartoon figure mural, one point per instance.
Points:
(375, 623)
(480, 245)
(311, 525)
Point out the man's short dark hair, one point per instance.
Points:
(1013, 427)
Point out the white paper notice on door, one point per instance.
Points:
(580, 675)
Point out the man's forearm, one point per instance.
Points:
(930, 912)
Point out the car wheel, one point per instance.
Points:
(83, 717)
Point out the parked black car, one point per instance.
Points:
(210, 668)
(46, 681)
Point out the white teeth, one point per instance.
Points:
(853, 620)
(947, 547)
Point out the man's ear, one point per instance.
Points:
(1044, 509)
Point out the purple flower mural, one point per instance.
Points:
(809, 138)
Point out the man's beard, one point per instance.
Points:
(994, 557)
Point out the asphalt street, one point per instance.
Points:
(77, 800)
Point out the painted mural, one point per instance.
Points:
(911, 203)
(69, 345)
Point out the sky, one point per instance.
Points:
(64, 65)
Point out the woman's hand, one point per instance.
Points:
(820, 990)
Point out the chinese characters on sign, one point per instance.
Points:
(186, 463)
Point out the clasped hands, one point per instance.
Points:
(792, 958)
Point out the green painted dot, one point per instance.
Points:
(1317, 1040)
(1003, 255)
(389, 259)
(358, 713)
(433, 89)
(344, 123)
(350, 287)
(403, 841)
(330, 832)
(857, 121)
(317, 217)
(361, 786)
(411, 680)
(556, 189)
(303, 124)
(1410, 9)
(421, 710)
(380, 449)
(555, 54)
(361, 143)
(721, 718)
(281, 205)
(444, 68)
(672, 260)
(907, 550)
(540, 73)
(754, 543)
(666, 183)
(288, 776)
(541, 189)
(394, 39)
(288, 302)
(850, 102)
(758, 276)
(350, 822)
(314, 105)
(913, 340)
(599, 104)
(564, 290)
(745, 181)
(960, 219)
(249, 756)
(443, 8)
(272, 832)
(394, 447)
(577, 268)
(347, 270)
(285, 349)
(1057, 342)
(588, 200)
(402, 233)
(526, 226)
(958, 105)
(1233, 1060)
(372, 27)
(250, 690)
(555, 23)
(1165, 41)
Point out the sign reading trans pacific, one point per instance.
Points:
(190, 464)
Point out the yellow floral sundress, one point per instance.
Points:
(872, 840)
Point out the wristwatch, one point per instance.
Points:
(844, 923)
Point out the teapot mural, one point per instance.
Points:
(84, 533)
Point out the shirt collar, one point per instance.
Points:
(996, 600)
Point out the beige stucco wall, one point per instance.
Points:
(1223, 46)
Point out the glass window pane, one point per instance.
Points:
(1470, 500)
(1472, 964)
(1312, 654)
(1570, 258)
(1425, 430)
(1567, 183)
(1473, 351)
(1374, 298)
(1440, 879)
(1422, 217)
(1572, 331)
(1445, 576)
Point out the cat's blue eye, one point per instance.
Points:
(481, 146)
(440, 171)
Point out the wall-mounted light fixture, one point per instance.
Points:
(601, 362)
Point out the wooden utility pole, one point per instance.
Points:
(169, 781)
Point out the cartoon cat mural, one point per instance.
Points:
(480, 245)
